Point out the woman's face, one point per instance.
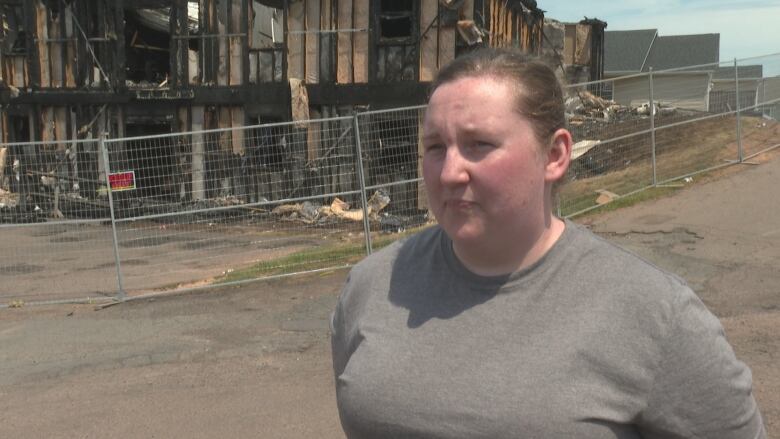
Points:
(484, 169)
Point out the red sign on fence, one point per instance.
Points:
(122, 181)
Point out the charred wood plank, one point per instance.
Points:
(236, 42)
(179, 47)
(344, 67)
(70, 47)
(429, 47)
(295, 40)
(222, 17)
(41, 35)
(312, 37)
(384, 95)
(360, 55)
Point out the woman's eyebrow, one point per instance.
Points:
(432, 135)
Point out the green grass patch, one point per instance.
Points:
(630, 200)
(324, 256)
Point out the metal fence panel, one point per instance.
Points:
(201, 208)
(613, 151)
(231, 205)
(392, 157)
(54, 223)
(759, 87)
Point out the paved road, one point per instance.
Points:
(254, 361)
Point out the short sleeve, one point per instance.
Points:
(338, 341)
(700, 390)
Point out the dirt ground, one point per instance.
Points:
(59, 262)
(254, 361)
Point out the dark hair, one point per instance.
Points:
(538, 93)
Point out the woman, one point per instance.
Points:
(505, 321)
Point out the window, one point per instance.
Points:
(396, 19)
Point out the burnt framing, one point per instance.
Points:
(200, 78)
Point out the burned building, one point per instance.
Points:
(73, 69)
(577, 49)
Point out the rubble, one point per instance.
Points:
(338, 209)
(582, 147)
(605, 196)
(592, 120)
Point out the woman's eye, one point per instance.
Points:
(483, 145)
(433, 147)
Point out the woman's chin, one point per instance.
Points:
(466, 234)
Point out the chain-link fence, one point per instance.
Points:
(106, 218)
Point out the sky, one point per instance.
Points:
(747, 28)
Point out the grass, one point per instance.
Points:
(326, 256)
(649, 194)
(680, 150)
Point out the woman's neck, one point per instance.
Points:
(488, 259)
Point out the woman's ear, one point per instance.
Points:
(558, 156)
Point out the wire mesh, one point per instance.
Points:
(612, 154)
(223, 206)
(612, 168)
(226, 205)
(392, 160)
(608, 108)
(759, 87)
(53, 223)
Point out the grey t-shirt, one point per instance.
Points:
(589, 342)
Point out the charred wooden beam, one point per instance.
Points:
(294, 22)
(179, 47)
(361, 47)
(379, 95)
(312, 37)
(244, 28)
(142, 4)
(72, 97)
(33, 52)
(238, 56)
(344, 72)
(81, 56)
(118, 46)
(271, 93)
(69, 53)
(327, 44)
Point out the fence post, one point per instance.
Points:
(107, 171)
(362, 183)
(740, 152)
(652, 128)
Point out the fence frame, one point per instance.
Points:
(103, 143)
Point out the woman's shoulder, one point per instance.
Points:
(606, 263)
(403, 251)
(370, 278)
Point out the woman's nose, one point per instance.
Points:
(454, 168)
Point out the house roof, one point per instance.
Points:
(638, 50)
(683, 50)
(625, 50)
(745, 72)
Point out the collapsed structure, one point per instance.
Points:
(73, 69)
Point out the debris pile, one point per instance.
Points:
(593, 121)
(585, 106)
(308, 213)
